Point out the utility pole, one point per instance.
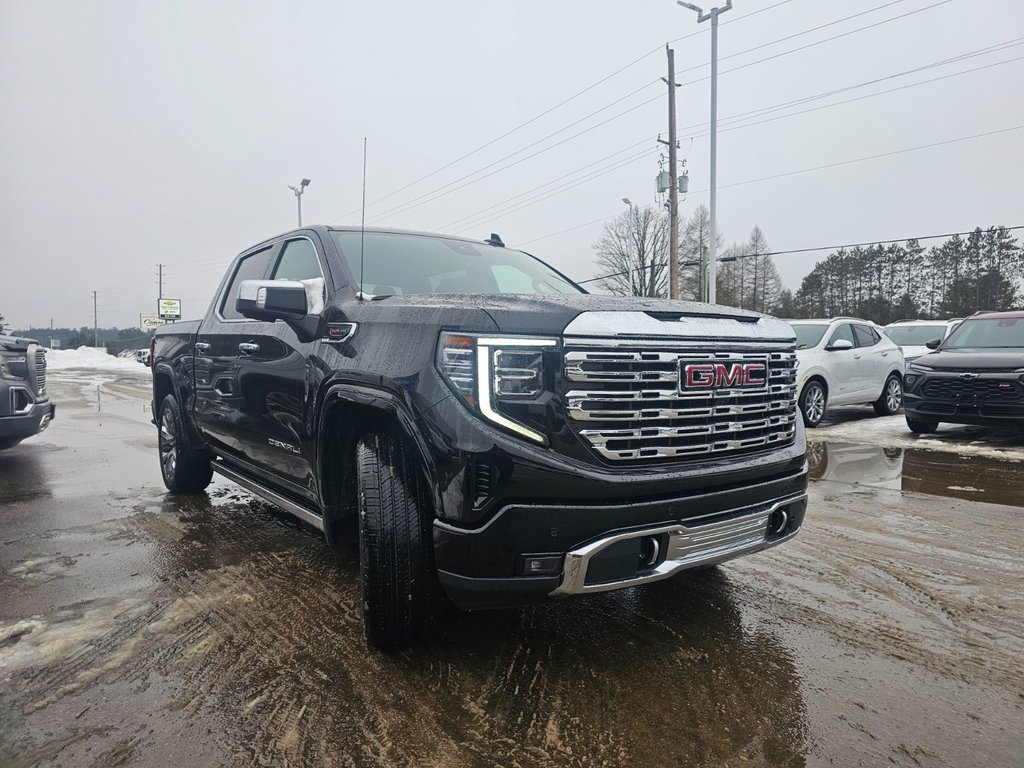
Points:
(95, 325)
(160, 282)
(702, 17)
(673, 180)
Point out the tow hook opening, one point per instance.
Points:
(778, 522)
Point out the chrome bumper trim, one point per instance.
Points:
(688, 547)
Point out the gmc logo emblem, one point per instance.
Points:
(723, 375)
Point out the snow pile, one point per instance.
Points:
(90, 358)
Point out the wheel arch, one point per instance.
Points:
(347, 412)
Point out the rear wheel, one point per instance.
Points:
(183, 470)
(922, 426)
(891, 399)
(394, 543)
(812, 403)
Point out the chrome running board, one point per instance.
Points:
(268, 495)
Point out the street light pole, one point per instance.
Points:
(702, 17)
(298, 195)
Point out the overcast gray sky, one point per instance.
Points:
(137, 133)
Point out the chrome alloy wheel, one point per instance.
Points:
(814, 403)
(168, 444)
(894, 395)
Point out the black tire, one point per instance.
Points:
(891, 399)
(922, 426)
(812, 403)
(395, 545)
(184, 469)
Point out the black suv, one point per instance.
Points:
(492, 428)
(974, 376)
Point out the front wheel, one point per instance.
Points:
(395, 546)
(922, 426)
(183, 471)
(812, 403)
(891, 399)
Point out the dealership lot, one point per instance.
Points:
(140, 629)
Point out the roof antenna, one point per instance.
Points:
(362, 224)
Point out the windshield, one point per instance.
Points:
(1005, 333)
(398, 263)
(914, 335)
(808, 336)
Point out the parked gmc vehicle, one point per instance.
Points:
(974, 376)
(487, 427)
(25, 408)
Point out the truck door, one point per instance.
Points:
(218, 390)
(278, 382)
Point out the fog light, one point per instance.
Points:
(909, 379)
(542, 565)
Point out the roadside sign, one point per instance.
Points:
(169, 309)
(54, 343)
(149, 322)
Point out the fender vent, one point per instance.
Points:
(483, 484)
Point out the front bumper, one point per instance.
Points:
(23, 425)
(485, 567)
(976, 404)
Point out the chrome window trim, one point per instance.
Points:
(231, 279)
(284, 245)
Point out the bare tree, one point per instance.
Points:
(633, 253)
(695, 240)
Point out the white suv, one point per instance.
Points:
(846, 361)
(911, 336)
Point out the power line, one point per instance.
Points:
(814, 168)
(481, 216)
(455, 185)
(560, 104)
(817, 249)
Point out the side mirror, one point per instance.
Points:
(839, 344)
(933, 344)
(271, 300)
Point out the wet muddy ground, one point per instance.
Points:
(139, 629)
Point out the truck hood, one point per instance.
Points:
(606, 316)
(15, 344)
(974, 359)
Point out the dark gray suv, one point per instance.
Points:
(25, 407)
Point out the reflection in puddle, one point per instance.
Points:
(975, 478)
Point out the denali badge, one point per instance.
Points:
(285, 446)
(749, 375)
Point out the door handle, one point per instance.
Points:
(247, 348)
(856, 357)
(201, 346)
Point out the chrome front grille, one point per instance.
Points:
(628, 404)
(39, 372)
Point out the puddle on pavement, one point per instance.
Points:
(975, 478)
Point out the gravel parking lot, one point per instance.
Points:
(139, 629)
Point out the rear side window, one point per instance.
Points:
(251, 267)
(298, 261)
(866, 337)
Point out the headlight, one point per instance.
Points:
(920, 368)
(486, 371)
(6, 361)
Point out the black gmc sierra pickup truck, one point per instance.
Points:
(486, 426)
(25, 408)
